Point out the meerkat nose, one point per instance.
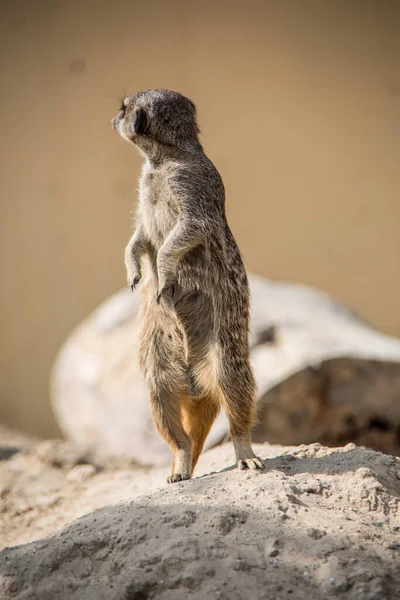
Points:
(115, 121)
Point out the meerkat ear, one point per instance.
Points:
(141, 123)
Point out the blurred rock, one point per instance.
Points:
(98, 393)
(341, 400)
(323, 374)
(328, 377)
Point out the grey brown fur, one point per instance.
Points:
(195, 297)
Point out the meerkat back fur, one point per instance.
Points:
(194, 348)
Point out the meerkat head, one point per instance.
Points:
(154, 118)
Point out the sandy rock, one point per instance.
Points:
(308, 353)
(340, 400)
(220, 535)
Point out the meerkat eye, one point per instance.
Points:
(141, 123)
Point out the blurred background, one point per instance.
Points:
(299, 105)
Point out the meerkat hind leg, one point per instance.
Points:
(167, 418)
(198, 415)
(239, 406)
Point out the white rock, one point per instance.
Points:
(99, 395)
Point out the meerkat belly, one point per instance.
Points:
(159, 218)
(158, 207)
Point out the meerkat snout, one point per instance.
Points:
(121, 114)
(115, 121)
(131, 121)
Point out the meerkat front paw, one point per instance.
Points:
(167, 291)
(133, 282)
(133, 276)
(253, 463)
(175, 477)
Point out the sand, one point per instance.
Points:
(317, 523)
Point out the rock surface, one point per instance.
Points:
(339, 401)
(316, 523)
(100, 399)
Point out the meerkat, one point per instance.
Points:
(194, 347)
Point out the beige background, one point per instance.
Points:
(299, 103)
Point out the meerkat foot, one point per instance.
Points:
(177, 477)
(254, 463)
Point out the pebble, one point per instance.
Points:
(271, 548)
(393, 545)
(349, 447)
(81, 473)
(316, 534)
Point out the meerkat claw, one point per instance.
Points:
(167, 291)
(251, 463)
(134, 282)
(177, 477)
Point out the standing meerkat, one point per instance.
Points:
(194, 349)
